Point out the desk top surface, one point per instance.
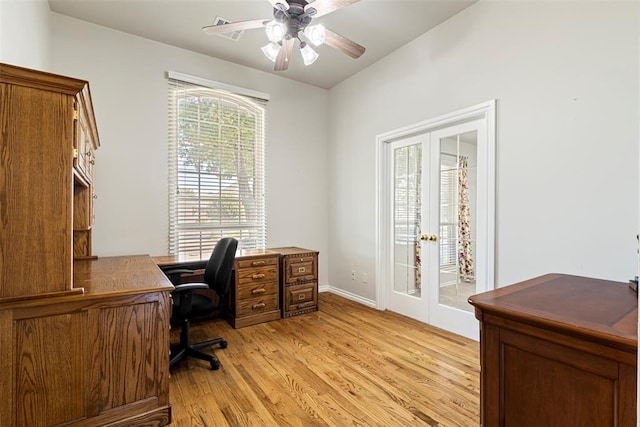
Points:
(119, 274)
(602, 309)
(174, 260)
(186, 260)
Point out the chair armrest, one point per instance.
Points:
(178, 271)
(186, 287)
(175, 274)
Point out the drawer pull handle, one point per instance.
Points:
(262, 262)
(261, 305)
(259, 291)
(306, 304)
(301, 297)
(258, 276)
(301, 270)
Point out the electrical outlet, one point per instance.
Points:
(364, 277)
(353, 275)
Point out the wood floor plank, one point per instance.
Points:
(346, 364)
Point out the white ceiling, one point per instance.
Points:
(381, 26)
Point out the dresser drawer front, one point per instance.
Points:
(255, 290)
(300, 268)
(300, 297)
(252, 306)
(257, 275)
(256, 262)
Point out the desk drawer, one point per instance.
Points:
(300, 268)
(257, 275)
(300, 299)
(252, 306)
(255, 290)
(256, 262)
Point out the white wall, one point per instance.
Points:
(129, 90)
(25, 33)
(565, 76)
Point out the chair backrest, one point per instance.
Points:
(217, 273)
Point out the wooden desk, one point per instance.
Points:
(266, 285)
(97, 358)
(558, 350)
(254, 295)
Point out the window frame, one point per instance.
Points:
(250, 232)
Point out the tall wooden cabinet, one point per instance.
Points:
(83, 341)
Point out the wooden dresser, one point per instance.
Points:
(558, 350)
(83, 341)
(298, 280)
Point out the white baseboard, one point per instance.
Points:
(348, 295)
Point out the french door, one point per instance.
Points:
(438, 205)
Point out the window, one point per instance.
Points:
(216, 169)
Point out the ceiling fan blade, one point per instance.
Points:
(343, 44)
(282, 60)
(234, 26)
(323, 7)
(275, 4)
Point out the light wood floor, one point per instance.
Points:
(345, 365)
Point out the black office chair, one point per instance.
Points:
(188, 304)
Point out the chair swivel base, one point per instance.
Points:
(178, 353)
(186, 349)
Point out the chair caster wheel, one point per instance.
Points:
(223, 344)
(215, 365)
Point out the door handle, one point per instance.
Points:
(431, 238)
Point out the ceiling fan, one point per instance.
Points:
(291, 19)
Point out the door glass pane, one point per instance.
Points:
(406, 217)
(458, 189)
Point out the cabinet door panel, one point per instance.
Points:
(544, 392)
(35, 219)
(128, 368)
(552, 385)
(49, 352)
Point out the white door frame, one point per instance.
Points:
(487, 111)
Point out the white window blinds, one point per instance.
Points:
(216, 169)
(448, 210)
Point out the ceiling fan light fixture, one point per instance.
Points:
(275, 30)
(271, 51)
(309, 55)
(316, 34)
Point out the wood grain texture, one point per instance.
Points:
(346, 364)
(50, 359)
(130, 366)
(122, 275)
(7, 367)
(298, 280)
(253, 297)
(598, 310)
(87, 362)
(558, 350)
(35, 191)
